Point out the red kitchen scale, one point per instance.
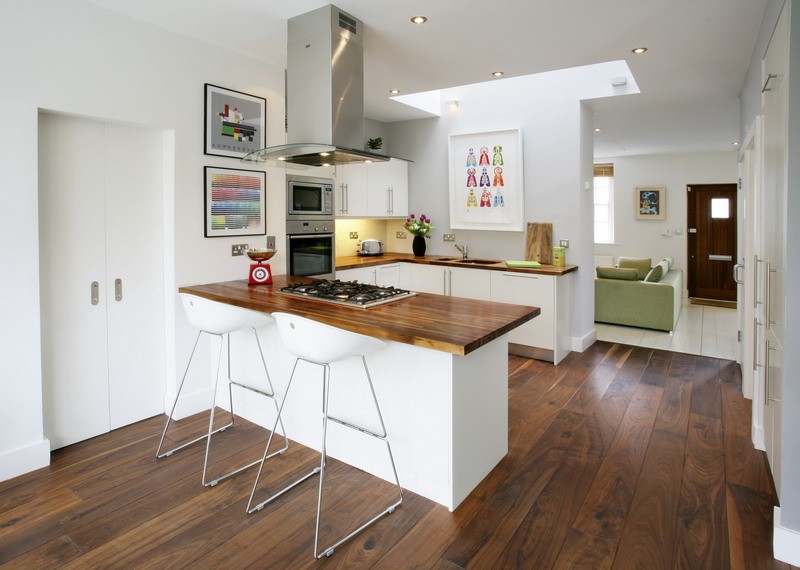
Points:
(260, 272)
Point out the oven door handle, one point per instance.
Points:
(301, 236)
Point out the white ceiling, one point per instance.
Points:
(690, 78)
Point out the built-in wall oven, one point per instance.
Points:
(310, 236)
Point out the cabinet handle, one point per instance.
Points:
(95, 292)
(449, 281)
(767, 393)
(768, 297)
(118, 289)
(755, 343)
(756, 261)
(521, 275)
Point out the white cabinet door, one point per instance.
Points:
(100, 214)
(360, 274)
(351, 190)
(469, 283)
(428, 279)
(534, 290)
(388, 275)
(388, 188)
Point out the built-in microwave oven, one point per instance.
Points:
(308, 198)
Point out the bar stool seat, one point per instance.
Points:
(221, 319)
(323, 345)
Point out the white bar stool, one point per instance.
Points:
(221, 319)
(323, 344)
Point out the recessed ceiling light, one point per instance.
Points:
(324, 154)
(639, 50)
(419, 20)
(498, 73)
(735, 143)
(598, 130)
(394, 91)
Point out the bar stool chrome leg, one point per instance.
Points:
(211, 431)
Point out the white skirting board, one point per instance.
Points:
(785, 542)
(24, 459)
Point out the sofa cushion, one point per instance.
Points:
(655, 274)
(670, 261)
(626, 274)
(640, 264)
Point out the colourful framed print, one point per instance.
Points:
(235, 122)
(650, 202)
(486, 190)
(235, 202)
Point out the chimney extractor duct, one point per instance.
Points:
(324, 92)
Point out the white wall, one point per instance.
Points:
(69, 57)
(643, 238)
(555, 129)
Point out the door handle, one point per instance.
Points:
(736, 269)
(118, 289)
(770, 77)
(95, 292)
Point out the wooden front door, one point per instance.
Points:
(712, 241)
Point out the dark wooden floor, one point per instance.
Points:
(622, 457)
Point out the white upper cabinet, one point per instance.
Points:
(376, 190)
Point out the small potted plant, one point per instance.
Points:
(375, 144)
(420, 228)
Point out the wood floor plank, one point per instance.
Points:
(702, 529)
(573, 427)
(744, 465)
(648, 537)
(606, 506)
(657, 368)
(705, 392)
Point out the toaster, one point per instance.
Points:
(371, 247)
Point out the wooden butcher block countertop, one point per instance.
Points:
(449, 324)
(354, 261)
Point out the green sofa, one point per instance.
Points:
(621, 299)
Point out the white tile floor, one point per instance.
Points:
(709, 331)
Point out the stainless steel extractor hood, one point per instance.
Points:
(324, 92)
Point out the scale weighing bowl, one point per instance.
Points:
(260, 255)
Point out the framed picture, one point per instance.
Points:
(651, 202)
(486, 190)
(235, 202)
(235, 122)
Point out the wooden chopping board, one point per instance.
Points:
(539, 242)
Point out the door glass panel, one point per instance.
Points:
(720, 208)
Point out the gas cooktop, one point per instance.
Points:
(351, 293)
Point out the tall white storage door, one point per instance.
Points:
(101, 263)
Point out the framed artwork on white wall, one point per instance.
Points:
(486, 191)
(235, 202)
(235, 122)
(651, 202)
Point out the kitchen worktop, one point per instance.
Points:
(447, 324)
(355, 261)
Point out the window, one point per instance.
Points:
(604, 203)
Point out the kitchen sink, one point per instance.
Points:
(469, 260)
(478, 261)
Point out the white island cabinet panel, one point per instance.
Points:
(388, 275)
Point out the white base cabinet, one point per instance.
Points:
(546, 337)
(453, 281)
(383, 275)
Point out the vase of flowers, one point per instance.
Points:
(420, 228)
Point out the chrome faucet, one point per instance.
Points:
(462, 249)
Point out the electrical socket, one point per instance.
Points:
(270, 242)
(563, 243)
(353, 235)
(448, 237)
(239, 249)
(400, 235)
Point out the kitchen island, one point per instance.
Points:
(442, 381)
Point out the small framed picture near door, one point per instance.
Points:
(235, 122)
(235, 201)
(651, 202)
